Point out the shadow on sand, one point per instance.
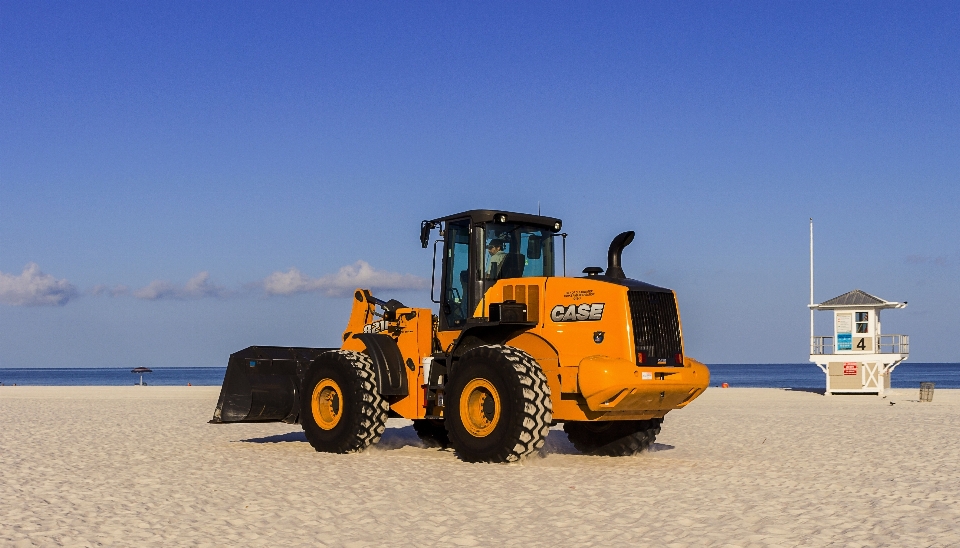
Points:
(398, 438)
(279, 438)
(820, 391)
(393, 438)
(558, 444)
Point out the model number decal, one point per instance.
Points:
(376, 327)
(577, 312)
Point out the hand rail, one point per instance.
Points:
(893, 344)
(821, 345)
(886, 344)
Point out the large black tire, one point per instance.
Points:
(432, 433)
(498, 406)
(612, 438)
(341, 410)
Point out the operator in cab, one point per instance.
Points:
(495, 257)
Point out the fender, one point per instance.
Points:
(386, 356)
(481, 333)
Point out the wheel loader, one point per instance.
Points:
(512, 349)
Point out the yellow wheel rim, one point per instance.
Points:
(480, 407)
(327, 404)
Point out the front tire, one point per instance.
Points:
(341, 410)
(612, 438)
(498, 405)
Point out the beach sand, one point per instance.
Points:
(140, 466)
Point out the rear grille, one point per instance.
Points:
(656, 327)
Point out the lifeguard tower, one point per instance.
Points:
(857, 359)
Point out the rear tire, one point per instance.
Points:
(612, 438)
(498, 405)
(432, 433)
(341, 410)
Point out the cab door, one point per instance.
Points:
(456, 299)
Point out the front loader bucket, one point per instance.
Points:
(262, 384)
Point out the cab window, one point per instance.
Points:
(455, 302)
(516, 251)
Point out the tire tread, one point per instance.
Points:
(535, 405)
(373, 407)
(631, 443)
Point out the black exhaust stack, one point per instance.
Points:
(614, 270)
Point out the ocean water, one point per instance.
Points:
(809, 376)
(80, 376)
(789, 375)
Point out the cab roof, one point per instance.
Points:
(488, 215)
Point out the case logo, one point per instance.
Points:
(577, 312)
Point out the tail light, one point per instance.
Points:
(679, 358)
(641, 357)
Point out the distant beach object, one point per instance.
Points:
(724, 385)
(141, 371)
(926, 391)
(857, 359)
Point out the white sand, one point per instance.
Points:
(139, 466)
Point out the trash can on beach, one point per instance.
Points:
(926, 391)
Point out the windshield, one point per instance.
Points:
(516, 251)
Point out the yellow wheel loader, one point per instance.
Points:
(512, 350)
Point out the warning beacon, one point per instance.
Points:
(857, 359)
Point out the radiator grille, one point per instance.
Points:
(656, 326)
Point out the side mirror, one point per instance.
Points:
(534, 247)
(425, 228)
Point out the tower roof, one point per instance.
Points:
(857, 299)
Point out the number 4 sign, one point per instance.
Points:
(863, 343)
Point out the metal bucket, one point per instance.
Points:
(262, 384)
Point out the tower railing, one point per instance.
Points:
(821, 345)
(893, 344)
(886, 344)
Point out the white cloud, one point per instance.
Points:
(34, 288)
(348, 278)
(196, 287)
(114, 291)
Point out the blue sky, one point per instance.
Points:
(164, 165)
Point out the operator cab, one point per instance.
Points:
(482, 246)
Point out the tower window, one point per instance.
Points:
(863, 319)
